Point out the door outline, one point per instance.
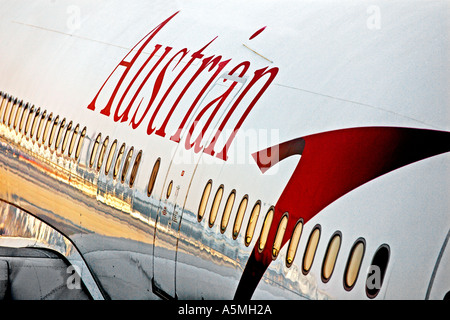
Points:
(162, 284)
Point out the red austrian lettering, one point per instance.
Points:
(127, 64)
(137, 76)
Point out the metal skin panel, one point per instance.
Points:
(206, 86)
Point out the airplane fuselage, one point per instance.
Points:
(194, 151)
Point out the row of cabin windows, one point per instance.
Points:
(240, 213)
(355, 257)
(331, 254)
(40, 127)
(112, 158)
(44, 129)
(109, 160)
(61, 135)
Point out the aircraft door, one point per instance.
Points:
(198, 132)
(439, 286)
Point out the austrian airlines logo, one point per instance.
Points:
(331, 165)
(158, 87)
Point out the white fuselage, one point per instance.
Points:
(201, 86)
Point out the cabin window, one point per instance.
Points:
(169, 189)
(227, 211)
(72, 140)
(66, 137)
(16, 118)
(22, 117)
(59, 134)
(46, 128)
(136, 164)
(215, 206)
(252, 223)
(80, 143)
(204, 201)
(151, 182)
(8, 104)
(293, 243)
(265, 230)
(94, 150)
(126, 164)
(311, 248)
(12, 112)
(119, 161)
(279, 236)
(240, 217)
(109, 160)
(4, 98)
(39, 128)
(101, 155)
(28, 122)
(331, 256)
(354, 264)
(52, 131)
(377, 271)
(33, 125)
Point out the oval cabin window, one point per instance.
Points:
(331, 256)
(119, 161)
(252, 223)
(265, 230)
(46, 127)
(293, 243)
(311, 248)
(22, 117)
(354, 264)
(52, 131)
(73, 139)
(110, 157)
(227, 211)
(28, 122)
(16, 118)
(94, 150)
(34, 122)
(59, 134)
(126, 164)
(101, 155)
(240, 217)
(215, 206)
(154, 174)
(39, 128)
(204, 201)
(169, 189)
(279, 236)
(135, 168)
(66, 137)
(80, 143)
